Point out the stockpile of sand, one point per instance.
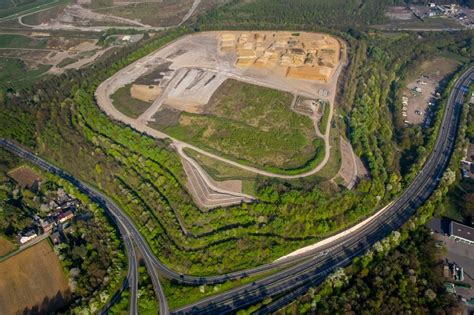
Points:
(306, 56)
(146, 93)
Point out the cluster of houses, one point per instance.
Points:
(59, 212)
(54, 214)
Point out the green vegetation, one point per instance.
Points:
(128, 105)
(323, 123)
(254, 124)
(404, 279)
(147, 303)
(10, 7)
(91, 251)
(294, 15)
(16, 72)
(21, 41)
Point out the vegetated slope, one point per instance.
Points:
(254, 124)
(146, 178)
(33, 279)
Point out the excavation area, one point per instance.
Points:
(259, 101)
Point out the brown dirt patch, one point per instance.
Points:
(24, 176)
(146, 93)
(33, 281)
(5, 246)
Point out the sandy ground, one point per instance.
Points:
(201, 52)
(31, 278)
(146, 93)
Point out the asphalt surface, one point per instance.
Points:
(305, 270)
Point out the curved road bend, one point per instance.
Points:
(441, 150)
(296, 280)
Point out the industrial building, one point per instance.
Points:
(461, 232)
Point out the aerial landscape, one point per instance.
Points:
(236, 157)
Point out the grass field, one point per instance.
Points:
(251, 124)
(20, 41)
(5, 246)
(128, 105)
(33, 282)
(13, 70)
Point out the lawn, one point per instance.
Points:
(254, 125)
(125, 103)
(31, 279)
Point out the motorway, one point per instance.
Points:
(304, 270)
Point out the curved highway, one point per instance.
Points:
(304, 270)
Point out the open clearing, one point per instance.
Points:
(231, 97)
(251, 123)
(34, 54)
(421, 91)
(5, 246)
(127, 104)
(33, 280)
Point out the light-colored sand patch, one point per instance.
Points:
(307, 56)
(193, 89)
(146, 93)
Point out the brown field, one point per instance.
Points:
(33, 281)
(5, 246)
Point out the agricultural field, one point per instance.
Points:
(33, 281)
(5, 246)
(251, 123)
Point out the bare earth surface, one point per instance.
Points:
(32, 280)
(199, 60)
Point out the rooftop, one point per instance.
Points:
(461, 231)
